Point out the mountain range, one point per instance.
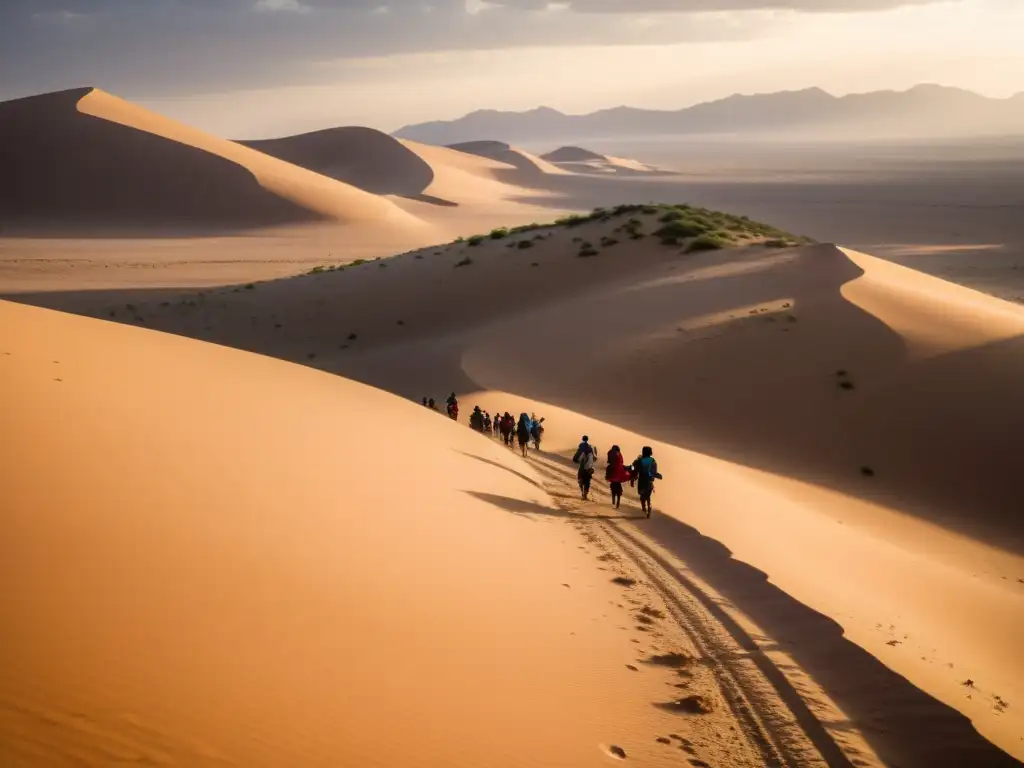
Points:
(924, 110)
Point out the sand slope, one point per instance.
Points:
(207, 562)
(85, 159)
(846, 426)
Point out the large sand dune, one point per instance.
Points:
(378, 163)
(86, 161)
(847, 426)
(213, 558)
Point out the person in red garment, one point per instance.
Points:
(616, 473)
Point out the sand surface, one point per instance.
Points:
(244, 588)
(835, 568)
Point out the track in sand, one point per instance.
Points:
(741, 708)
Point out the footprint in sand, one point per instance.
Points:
(616, 751)
(688, 705)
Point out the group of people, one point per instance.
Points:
(641, 473)
(451, 406)
(524, 430)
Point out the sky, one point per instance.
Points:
(261, 68)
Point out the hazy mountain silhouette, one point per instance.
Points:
(924, 110)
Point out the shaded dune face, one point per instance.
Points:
(362, 157)
(572, 155)
(59, 166)
(522, 162)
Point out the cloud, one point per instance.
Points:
(150, 48)
(277, 6)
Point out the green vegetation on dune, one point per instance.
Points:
(679, 223)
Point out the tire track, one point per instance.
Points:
(771, 714)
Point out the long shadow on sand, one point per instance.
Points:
(904, 725)
(520, 507)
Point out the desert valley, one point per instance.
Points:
(233, 535)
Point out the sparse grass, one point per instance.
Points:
(524, 244)
(680, 229)
(475, 240)
(706, 243)
(499, 233)
(464, 262)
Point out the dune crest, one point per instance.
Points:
(90, 161)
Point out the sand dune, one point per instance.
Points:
(87, 161)
(206, 569)
(528, 165)
(845, 425)
(579, 160)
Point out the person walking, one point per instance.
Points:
(616, 473)
(523, 429)
(585, 457)
(645, 472)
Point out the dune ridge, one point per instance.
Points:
(121, 165)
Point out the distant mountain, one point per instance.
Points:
(924, 110)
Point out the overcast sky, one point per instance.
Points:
(256, 68)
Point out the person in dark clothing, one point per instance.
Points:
(431, 404)
(507, 427)
(476, 419)
(586, 458)
(616, 473)
(645, 472)
(523, 433)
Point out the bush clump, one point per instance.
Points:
(680, 229)
(706, 243)
(499, 233)
(524, 244)
(475, 240)
(464, 262)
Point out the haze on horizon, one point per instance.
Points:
(256, 68)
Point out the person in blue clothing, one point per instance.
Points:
(645, 472)
(523, 429)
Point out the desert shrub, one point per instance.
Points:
(587, 250)
(500, 232)
(460, 239)
(777, 243)
(464, 262)
(706, 243)
(671, 215)
(680, 229)
(524, 244)
(475, 240)
(607, 241)
(573, 220)
(648, 210)
(357, 262)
